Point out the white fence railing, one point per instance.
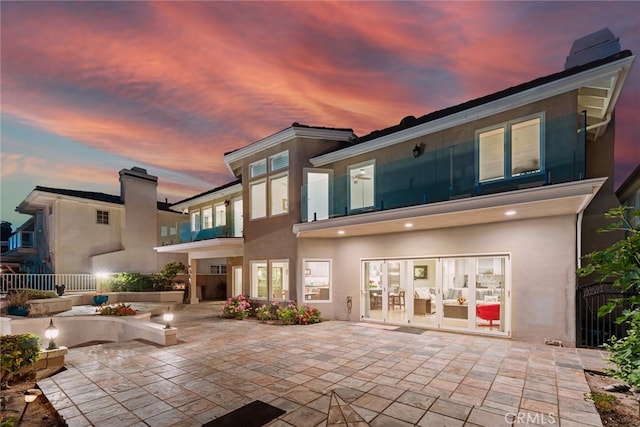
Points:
(48, 282)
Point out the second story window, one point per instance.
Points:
(258, 198)
(361, 185)
(269, 195)
(221, 214)
(258, 168)
(195, 220)
(102, 217)
(207, 218)
(279, 189)
(511, 149)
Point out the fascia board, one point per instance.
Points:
(481, 111)
(40, 199)
(201, 244)
(237, 188)
(283, 136)
(587, 188)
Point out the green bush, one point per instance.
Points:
(620, 263)
(18, 351)
(131, 282)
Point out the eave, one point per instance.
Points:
(283, 136)
(539, 202)
(211, 248)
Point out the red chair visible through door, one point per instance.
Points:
(488, 311)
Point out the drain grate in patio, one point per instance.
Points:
(416, 331)
(254, 414)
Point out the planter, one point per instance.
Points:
(100, 299)
(18, 311)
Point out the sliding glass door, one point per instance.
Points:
(453, 293)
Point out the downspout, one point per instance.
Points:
(595, 125)
(579, 238)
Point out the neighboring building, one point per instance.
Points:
(74, 231)
(472, 218)
(629, 192)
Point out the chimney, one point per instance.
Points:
(135, 174)
(592, 47)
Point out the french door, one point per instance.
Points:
(453, 293)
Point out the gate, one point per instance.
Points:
(593, 331)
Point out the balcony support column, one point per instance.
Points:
(193, 281)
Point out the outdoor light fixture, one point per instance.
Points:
(510, 213)
(168, 317)
(51, 333)
(29, 396)
(416, 151)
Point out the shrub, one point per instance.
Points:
(163, 281)
(18, 351)
(131, 282)
(17, 298)
(267, 312)
(236, 307)
(120, 309)
(620, 262)
(289, 314)
(308, 315)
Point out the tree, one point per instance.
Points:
(620, 263)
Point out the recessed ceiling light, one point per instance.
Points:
(408, 225)
(510, 213)
(340, 231)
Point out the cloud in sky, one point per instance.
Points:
(171, 86)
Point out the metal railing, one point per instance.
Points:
(48, 282)
(593, 331)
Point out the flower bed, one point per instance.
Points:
(240, 307)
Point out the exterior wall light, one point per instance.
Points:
(168, 317)
(416, 151)
(51, 333)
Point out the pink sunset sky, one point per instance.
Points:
(91, 88)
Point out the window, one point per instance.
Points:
(218, 269)
(164, 231)
(102, 217)
(207, 218)
(259, 279)
(279, 194)
(510, 150)
(258, 168)
(280, 280)
(279, 161)
(195, 221)
(317, 280)
(361, 185)
(258, 195)
(221, 214)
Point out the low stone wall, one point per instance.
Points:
(48, 306)
(77, 330)
(115, 297)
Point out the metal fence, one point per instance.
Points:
(48, 282)
(593, 331)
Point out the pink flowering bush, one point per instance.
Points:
(267, 312)
(236, 307)
(308, 315)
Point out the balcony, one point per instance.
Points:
(21, 240)
(184, 234)
(440, 175)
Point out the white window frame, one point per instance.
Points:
(308, 280)
(220, 213)
(507, 161)
(352, 183)
(278, 205)
(195, 220)
(275, 157)
(253, 267)
(258, 168)
(261, 212)
(102, 217)
(207, 223)
(284, 294)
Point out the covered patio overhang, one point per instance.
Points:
(223, 247)
(546, 201)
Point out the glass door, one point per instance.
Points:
(373, 290)
(424, 274)
(318, 188)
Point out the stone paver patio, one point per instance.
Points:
(330, 374)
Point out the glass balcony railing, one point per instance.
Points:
(444, 174)
(21, 240)
(182, 233)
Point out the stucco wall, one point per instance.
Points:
(543, 268)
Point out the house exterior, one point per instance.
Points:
(471, 219)
(74, 232)
(629, 192)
